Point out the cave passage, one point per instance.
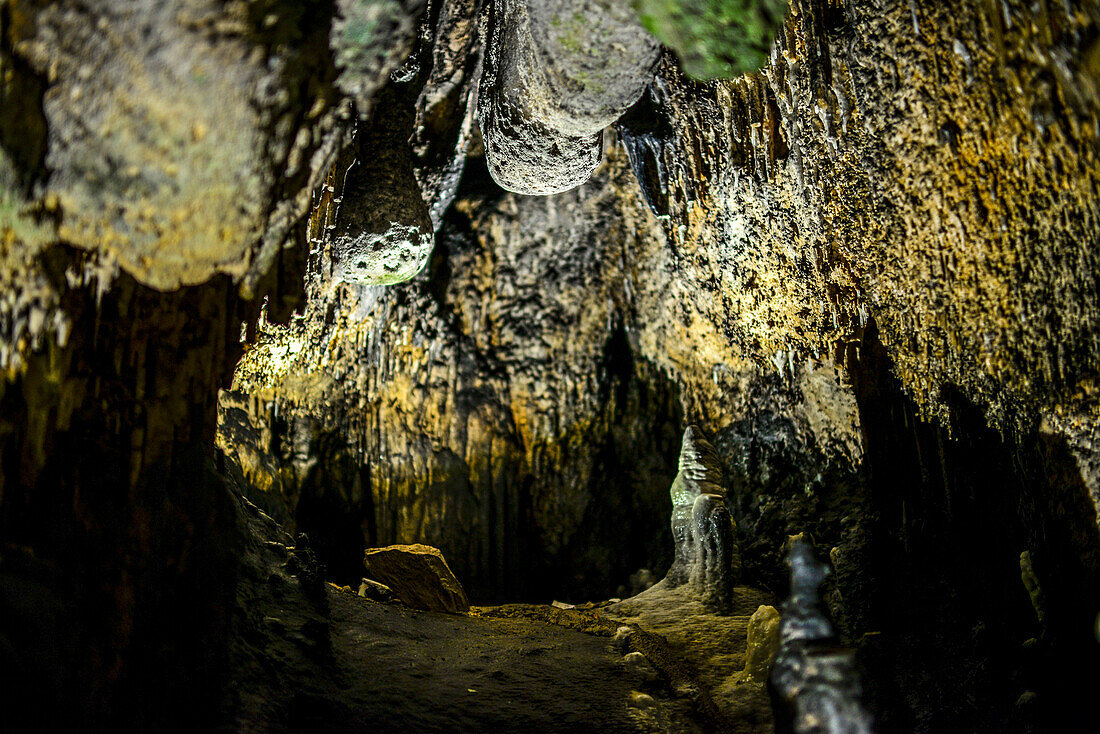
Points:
(549, 365)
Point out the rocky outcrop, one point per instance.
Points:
(190, 154)
(419, 575)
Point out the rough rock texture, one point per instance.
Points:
(697, 606)
(369, 39)
(868, 270)
(419, 575)
(500, 468)
(381, 232)
(157, 163)
(558, 72)
(173, 137)
(850, 268)
(816, 681)
(446, 104)
(714, 646)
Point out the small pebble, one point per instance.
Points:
(622, 637)
(641, 700)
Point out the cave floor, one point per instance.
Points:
(366, 666)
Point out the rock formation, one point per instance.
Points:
(419, 576)
(869, 268)
(706, 555)
(557, 73)
(763, 644)
(381, 232)
(814, 678)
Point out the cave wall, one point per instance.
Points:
(155, 160)
(495, 404)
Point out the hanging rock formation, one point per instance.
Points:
(382, 233)
(558, 73)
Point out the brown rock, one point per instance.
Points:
(419, 576)
(762, 645)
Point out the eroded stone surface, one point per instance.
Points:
(173, 134)
(419, 575)
(381, 233)
(558, 72)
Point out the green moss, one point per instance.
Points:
(715, 38)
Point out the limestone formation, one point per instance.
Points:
(763, 644)
(446, 106)
(419, 576)
(171, 137)
(871, 269)
(382, 232)
(706, 554)
(718, 563)
(557, 73)
(817, 680)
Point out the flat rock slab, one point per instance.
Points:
(419, 576)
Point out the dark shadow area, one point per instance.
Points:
(956, 640)
(626, 525)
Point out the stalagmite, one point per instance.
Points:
(816, 680)
(706, 554)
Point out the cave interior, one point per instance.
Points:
(550, 366)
